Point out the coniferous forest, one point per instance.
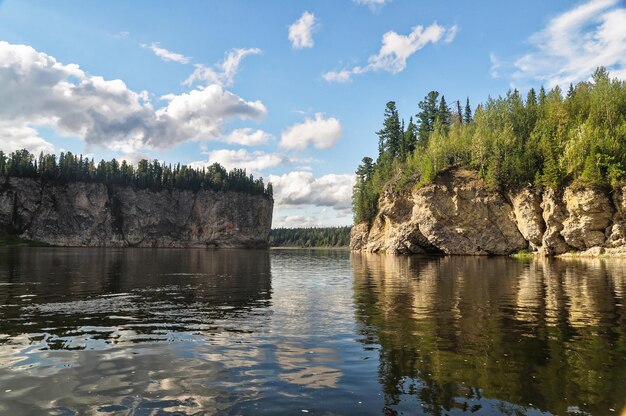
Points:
(146, 175)
(310, 237)
(546, 139)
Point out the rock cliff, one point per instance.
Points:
(457, 215)
(93, 214)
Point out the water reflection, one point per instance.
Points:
(141, 330)
(156, 332)
(495, 335)
(116, 296)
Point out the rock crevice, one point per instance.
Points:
(92, 214)
(457, 215)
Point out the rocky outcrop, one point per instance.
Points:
(92, 214)
(458, 215)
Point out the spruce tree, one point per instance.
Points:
(467, 116)
(427, 116)
(410, 137)
(443, 112)
(390, 136)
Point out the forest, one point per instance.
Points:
(310, 237)
(146, 175)
(545, 139)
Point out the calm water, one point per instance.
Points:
(157, 332)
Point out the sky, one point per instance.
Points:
(292, 90)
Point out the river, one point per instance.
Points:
(329, 332)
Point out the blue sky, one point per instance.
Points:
(291, 90)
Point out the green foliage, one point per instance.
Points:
(545, 139)
(150, 175)
(310, 237)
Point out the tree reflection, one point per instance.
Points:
(471, 333)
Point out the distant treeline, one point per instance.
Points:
(547, 139)
(146, 175)
(310, 237)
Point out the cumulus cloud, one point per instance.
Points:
(303, 188)
(573, 44)
(253, 161)
(320, 132)
(165, 54)
(222, 73)
(16, 137)
(396, 49)
(37, 90)
(248, 137)
(301, 31)
(298, 221)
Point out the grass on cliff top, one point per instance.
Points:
(7, 240)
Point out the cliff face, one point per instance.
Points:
(92, 214)
(457, 215)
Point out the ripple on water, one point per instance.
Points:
(246, 332)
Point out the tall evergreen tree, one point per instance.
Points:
(410, 137)
(443, 112)
(467, 115)
(427, 116)
(390, 136)
(542, 96)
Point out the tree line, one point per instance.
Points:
(146, 175)
(310, 237)
(547, 139)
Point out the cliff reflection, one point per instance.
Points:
(483, 333)
(87, 298)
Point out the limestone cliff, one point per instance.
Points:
(93, 214)
(457, 215)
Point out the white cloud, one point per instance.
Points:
(165, 54)
(573, 44)
(374, 5)
(496, 65)
(248, 137)
(451, 34)
(17, 137)
(342, 76)
(297, 221)
(320, 132)
(301, 31)
(222, 73)
(253, 161)
(201, 113)
(37, 90)
(396, 49)
(303, 188)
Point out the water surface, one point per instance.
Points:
(158, 331)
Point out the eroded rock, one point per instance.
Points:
(458, 215)
(92, 214)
